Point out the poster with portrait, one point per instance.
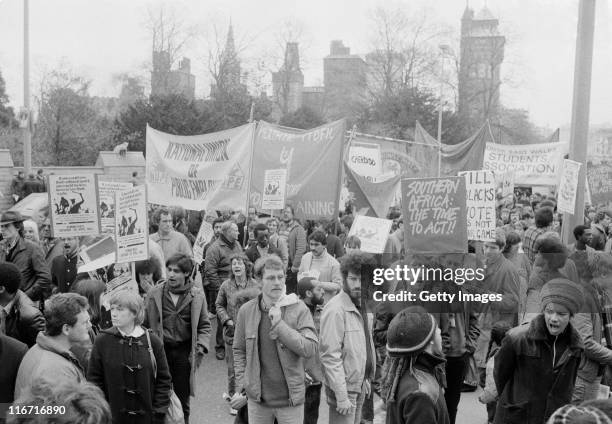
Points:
(131, 226)
(106, 202)
(73, 204)
(275, 183)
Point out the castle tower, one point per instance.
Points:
(482, 53)
(288, 82)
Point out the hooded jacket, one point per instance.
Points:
(295, 338)
(535, 372)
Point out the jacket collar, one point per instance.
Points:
(429, 361)
(48, 343)
(537, 331)
(346, 302)
(224, 240)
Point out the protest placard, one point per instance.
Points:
(434, 211)
(533, 164)
(275, 189)
(131, 225)
(600, 183)
(106, 199)
(372, 232)
(365, 159)
(480, 202)
(566, 195)
(73, 205)
(505, 182)
(205, 235)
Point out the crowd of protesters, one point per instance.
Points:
(291, 307)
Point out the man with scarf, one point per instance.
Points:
(217, 266)
(501, 277)
(176, 312)
(413, 381)
(346, 345)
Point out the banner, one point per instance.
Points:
(200, 171)
(533, 164)
(275, 189)
(312, 159)
(73, 205)
(365, 159)
(466, 155)
(106, 199)
(434, 211)
(131, 226)
(480, 202)
(373, 198)
(372, 232)
(505, 182)
(566, 194)
(599, 179)
(205, 235)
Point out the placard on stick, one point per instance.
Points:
(73, 205)
(106, 199)
(480, 203)
(568, 186)
(434, 211)
(372, 232)
(275, 185)
(131, 226)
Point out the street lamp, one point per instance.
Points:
(27, 134)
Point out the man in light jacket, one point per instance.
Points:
(274, 334)
(346, 348)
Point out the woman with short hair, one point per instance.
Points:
(137, 390)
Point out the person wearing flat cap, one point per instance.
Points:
(413, 377)
(26, 255)
(536, 366)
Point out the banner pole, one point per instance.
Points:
(343, 151)
(248, 196)
(439, 160)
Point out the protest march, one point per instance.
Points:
(303, 254)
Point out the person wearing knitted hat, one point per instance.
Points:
(570, 414)
(536, 367)
(414, 370)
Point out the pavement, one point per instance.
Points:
(208, 406)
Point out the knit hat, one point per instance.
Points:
(569, 414)
(563, 292)
(410, 331)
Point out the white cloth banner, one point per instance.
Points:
(131, 225)
(568, 186)
(365, 159)
(533, 164)
(480, 203)
(199, 171)
(372, 232)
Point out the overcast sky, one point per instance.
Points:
(103, 38)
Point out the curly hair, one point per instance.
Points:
(357, 262)
(248, 265)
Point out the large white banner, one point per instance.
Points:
(480, 203)
(566, 195)
(201, 170)
(533, 164)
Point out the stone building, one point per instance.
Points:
(481, 56)
(166, 81)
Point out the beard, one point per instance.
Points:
(316, 301)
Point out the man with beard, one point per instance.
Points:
(176, 312)
(346, 347)
(414, 379)
(501, 277)
(311, 293)
(537, 364)
(263, 247)
(319, 264)
(52, 246)
(217, 267)
(295, 235)
(64, 267)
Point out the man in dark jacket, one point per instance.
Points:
(413, 382)
(217, 268)
(26, 255)
(176, 312)
(262, 247)
(17, 186)
(536, 367)
(19, 318)
(11, 353)
(64, 267)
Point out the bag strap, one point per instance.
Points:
(153, 360)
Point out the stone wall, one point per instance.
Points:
(110, 166)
